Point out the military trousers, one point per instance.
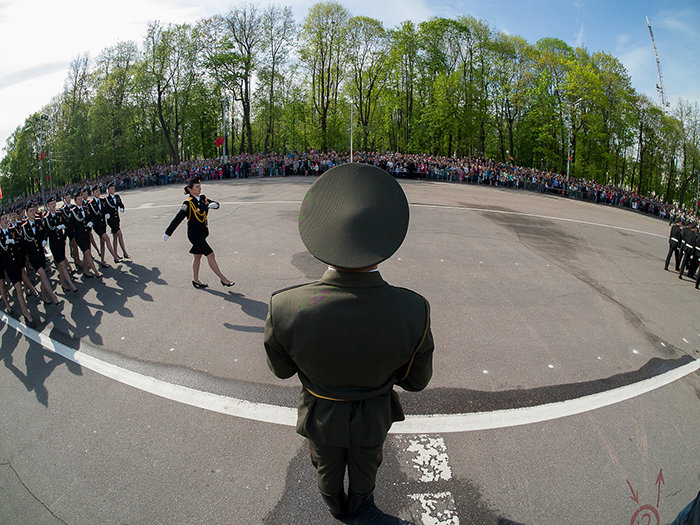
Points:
(330, 463)
(675, 252)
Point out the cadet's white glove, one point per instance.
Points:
(89, 224)
(61, 227)
(213, 205)
(10, 241)
(165, 236)
(121, 210)
(106, 215)
(43, 244)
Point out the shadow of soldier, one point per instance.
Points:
(301, 502)
(39, 364)
(112, 294)
(250, 307)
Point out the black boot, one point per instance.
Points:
(335, 504)
(358, 503)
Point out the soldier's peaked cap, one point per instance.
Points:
(354, 216)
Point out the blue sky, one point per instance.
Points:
(39, 39)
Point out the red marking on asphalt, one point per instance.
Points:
(659, 482)
(634, 497)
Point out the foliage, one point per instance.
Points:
(445, 87)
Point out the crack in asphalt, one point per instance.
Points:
(8, 464)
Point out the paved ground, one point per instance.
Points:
(536, 301)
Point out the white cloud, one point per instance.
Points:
(579, 37)
(622, 40)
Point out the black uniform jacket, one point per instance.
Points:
(12, 253)
(674, 237)
(33, 236)
(195, 210)
(114, 206)
(80, 219)
(97, 211)
(56, 227)
(687, 238)
(350, 337)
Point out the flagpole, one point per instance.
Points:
(41, 154)
(351, 119)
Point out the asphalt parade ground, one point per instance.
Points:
(565, 391)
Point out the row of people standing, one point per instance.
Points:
(684, 248)
(25, 234)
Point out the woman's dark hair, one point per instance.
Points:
(191, 182)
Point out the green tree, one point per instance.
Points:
(323, 52)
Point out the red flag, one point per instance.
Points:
(0, 192)
(219, 141)
(43, 153)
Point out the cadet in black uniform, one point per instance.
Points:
(56, 227)
(34, 237)
(115, 206)
(80, 222)
(3, 287)
(688, 244)
(13, 260)
(98, 215)
(674, 241)
(16, 216)
(195, 208)
(72, 245)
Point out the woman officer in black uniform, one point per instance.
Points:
(82, 228)
(13, 260)
(195, 208)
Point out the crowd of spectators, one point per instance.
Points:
(470, 170)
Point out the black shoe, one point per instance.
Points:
(335, 504)
(357, 503)
(199, 285)
(230, 283)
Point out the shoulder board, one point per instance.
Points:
(289, 288)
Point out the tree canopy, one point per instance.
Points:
(448, 87)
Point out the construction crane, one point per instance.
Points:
(660, 85)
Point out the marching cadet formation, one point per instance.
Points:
(26, 233)
(684, 247)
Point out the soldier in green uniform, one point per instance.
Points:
(350, 336)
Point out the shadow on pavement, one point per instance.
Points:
(39, 364)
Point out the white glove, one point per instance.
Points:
(43, 244)
(121, 210)
(61, 227)
(106, 215)
(213, 205)
(166, 236)
(89, 224)
(10, 241)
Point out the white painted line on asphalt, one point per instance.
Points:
(436, 508)
(537, 414)
(182, 394)
(424, 424)
(429, 458)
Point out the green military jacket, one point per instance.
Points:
(350, 337)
